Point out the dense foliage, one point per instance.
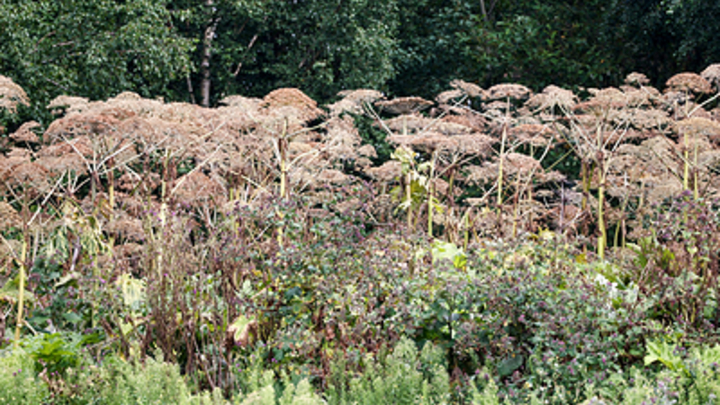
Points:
(203, 50)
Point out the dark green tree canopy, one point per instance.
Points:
(202, 50)
(91, 48)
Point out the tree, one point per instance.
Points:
(436, 42)
(90, 48)
(662, 38)
(252, 47)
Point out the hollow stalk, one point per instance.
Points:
(21, 289)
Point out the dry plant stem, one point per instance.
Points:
(686, 163)
(516, 199)
(621, 226)
(696, 192)
(430, 193)
(281, 153)
(21, 288)
(408, 196)
(602, 239)
(466, 224)
(600, 160)
(499, 200)
(500, 167)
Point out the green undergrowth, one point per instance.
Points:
(406, 375)
(227, 312)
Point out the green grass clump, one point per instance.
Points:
(18, 382)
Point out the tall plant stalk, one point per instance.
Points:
(21, 286)
(281, 152)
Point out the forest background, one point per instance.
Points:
(200, 51)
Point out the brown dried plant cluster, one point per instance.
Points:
(495, 153)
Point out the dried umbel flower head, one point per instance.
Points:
(389, 171)
(715, 114)
(307, 109)
(197, 189)
(603, 100)
(81, 146)
(404, 105)
(636, 79)
(512, 91)
(697, 127)
(29, 178)
(712, 75)
(68, 104)
(24, 134)
(474, 144)
(689, 83)
(245, 103)
(426, 142)
(470, 89)
(333, 177)
(552, 97)
(408, 124)
(9, 218)
(532, 134)
(449, 97)
(11, 95)
(64, 163)
(640, 119)
(367, 151)
(131, 181)
(354, 101)
(87, 123)
(342, 139)
(469, 119)
(642, 97)
(514, 164)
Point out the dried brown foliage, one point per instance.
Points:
(712, 75)
(354, 101)
(698, 128)
(636, 79)
(552, 97)
(532, 134)
(11, 95)
(212, 159)
(470, 89)
(449, 97)
(24, 134)
(387, 172)
(511, 91)
(688, 82)
(198, 189)
(403, 105)
(9, 217)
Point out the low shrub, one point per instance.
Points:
(677, 265)
(405, 376)
(19, 383)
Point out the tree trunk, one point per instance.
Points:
(206, 55)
